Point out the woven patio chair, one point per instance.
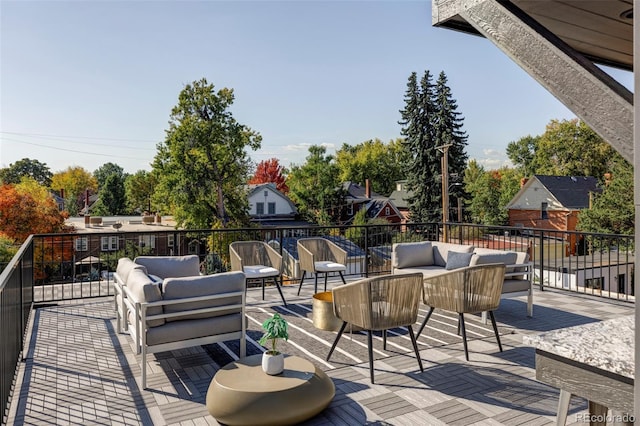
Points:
(468, 290)
(379, 304)
(259, 261)
(320, 256)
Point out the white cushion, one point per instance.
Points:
(327, 266)
(260, 271)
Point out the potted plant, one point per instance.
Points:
(275, 328)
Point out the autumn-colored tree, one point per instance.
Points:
(270, 171)
(75, 181)
(21, 214)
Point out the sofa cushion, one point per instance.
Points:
(145, 290)
(170, 266)
(456, 260)
(124, 268)
(407, 255)
(205, 285)
(426, 271)
(496, 256)
(177, 331)
(441, 250)
(512, 286)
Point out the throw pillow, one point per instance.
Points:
(410, 255)
(457, 260)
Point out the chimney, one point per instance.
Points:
(367, 188)
(523, 182)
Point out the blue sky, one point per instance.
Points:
(85, 83)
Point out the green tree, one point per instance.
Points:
(139, 189)
(571, 148)
(107, 169)
(613, 210)
(447, 129)
(522, 154)
(112, 201)
(26, 168)
(383, 164)
(423, 168)
(490, 193)
(314, 186)
(202, 166)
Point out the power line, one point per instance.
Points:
(45, 136)
(77, 151)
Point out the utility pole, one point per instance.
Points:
(445, 187)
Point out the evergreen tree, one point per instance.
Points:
(447, 129)
(423, 170)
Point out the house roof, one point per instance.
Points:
(355, 191)
(572, 192)
(400, 198)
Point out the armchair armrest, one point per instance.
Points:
(274, 257)
(236, 260)
(339, 254)
(306, 258)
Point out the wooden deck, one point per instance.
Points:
(78, 370)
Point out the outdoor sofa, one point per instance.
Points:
(179, 312)
(433, 258)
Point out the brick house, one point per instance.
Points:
(358, 197)
(552, 202)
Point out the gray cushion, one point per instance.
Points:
(441, 250)
(504, 257)
(145, 290)
(170, 266)
(125, 266)
(407, 255)
(426, 271)
(179, 288)
(511, 286)
(178, 331)
(456, 260)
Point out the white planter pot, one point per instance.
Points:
(272, 364)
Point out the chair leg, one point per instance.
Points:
(426, 318)
(464, 336)
(275, 279)
(415, 346)
(342, 276)
(315, 285)
(335, 342)
(495, 329)
(262, 288)
(301, 281)
(144, 367)
(370, 345)
(384, 339)
(325, 280)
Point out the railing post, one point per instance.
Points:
(366, 251)
(541, 260)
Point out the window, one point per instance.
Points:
(148, 241)
(350, 209)
(82, 244)
(259, 208)
(109, 243)
(194, 247)
(170, 240)
(543, 211)
(594, 283)
(387, 211)
(272, 208)
(622, 284)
